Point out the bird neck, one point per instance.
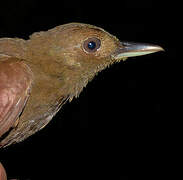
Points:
(13, 47)
(57, 79)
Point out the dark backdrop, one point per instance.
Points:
(115, 128)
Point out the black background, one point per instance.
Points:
(116, 128)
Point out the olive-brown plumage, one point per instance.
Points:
(53, 67)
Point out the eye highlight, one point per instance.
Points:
(91, 45)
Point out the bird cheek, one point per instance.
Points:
(72, 62)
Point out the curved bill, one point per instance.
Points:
(130, 49)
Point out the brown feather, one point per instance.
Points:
(15, 85)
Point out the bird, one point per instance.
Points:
(39, 75)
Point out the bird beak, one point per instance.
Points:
(130, 49)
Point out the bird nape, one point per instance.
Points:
(39, 75)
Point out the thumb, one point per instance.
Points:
(2, 173)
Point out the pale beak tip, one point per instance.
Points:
(155, 48)
(161, 49)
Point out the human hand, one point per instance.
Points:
(3, 175)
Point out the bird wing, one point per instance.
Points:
(15, 84)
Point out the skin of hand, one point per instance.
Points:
(2, 173)
(39, 75)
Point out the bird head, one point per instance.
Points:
(78, 52)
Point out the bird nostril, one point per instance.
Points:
(124, 43)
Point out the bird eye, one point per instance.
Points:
(91, 45)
